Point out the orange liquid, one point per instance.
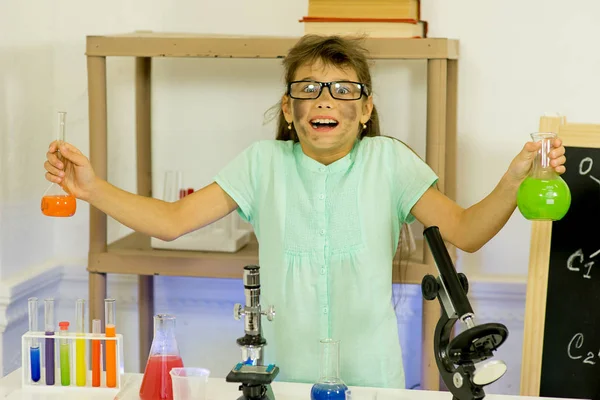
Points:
(111, 357)
(59, 206)
(95, 363)
(156, 384)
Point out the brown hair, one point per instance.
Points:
(333, 51)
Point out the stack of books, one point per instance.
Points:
(374, 18)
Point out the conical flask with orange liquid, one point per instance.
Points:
(56, 202)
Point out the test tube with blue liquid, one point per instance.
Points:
(49, 347)
(34, 349)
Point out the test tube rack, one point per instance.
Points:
(70, 338)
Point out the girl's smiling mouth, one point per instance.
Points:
(323, 123)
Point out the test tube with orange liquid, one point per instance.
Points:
(56, 202)
(96, 356)
(111, 345)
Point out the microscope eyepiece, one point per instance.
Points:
(251, 277)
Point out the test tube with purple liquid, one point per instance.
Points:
(49, 347)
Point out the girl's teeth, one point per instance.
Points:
(323, 121)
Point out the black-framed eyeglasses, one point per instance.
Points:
(340, 90)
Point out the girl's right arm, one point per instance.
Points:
(153, 217)
(160, 219)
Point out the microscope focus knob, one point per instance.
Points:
(430, 287)
(464, 282)
(270, 313)
(237, 311)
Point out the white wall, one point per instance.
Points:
(518, 60)
(26, 103)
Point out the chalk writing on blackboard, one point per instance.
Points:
(587, 163)
(579, 257)
(576, 343)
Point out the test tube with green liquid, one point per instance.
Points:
(65, 361)
(80, 366)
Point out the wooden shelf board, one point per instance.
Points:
(159, 44)
(134, 255)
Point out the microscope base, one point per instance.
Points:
(257, 392)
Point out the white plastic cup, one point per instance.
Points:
(189, 383)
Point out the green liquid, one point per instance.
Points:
(540, 199)
(65, 368)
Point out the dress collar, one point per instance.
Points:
(313, 165)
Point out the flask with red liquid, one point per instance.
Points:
(56, 202)
(164, 355)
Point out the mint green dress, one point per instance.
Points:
(327, 236)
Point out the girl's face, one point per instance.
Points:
(326, 127)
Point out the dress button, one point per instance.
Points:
(321, 196)
(325, 310)
(322, 271)
(322, 169)
(322, 232)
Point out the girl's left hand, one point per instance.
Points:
(521, 165)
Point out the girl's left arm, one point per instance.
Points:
(469, 229)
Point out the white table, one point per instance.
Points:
(218, 389)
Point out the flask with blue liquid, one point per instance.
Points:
(329, 386)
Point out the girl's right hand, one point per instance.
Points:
(70, 169)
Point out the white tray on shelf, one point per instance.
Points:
(205, 242)
(225, 235)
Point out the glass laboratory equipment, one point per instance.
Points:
(110, 330)
(34, 347)
(96, 352)
(56, 202)
(543, 195)
(173, 186)
(164, 355)
(80, 364)
(189, 383)
(65, 359)
(49, 345)
(329, 386)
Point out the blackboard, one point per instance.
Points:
(571, 349)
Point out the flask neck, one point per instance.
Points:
(330, 361)
(61, 126)
(164, 342)
(541, 165)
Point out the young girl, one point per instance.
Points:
(327, 200)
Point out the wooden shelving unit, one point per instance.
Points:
(133, 254)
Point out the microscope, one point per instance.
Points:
(254, 376)
(459, 360)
